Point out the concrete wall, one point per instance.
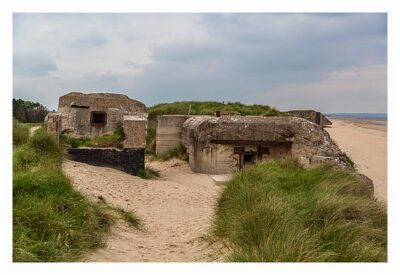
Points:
(168, 132)
(127, 160)
(53, 124)
(311, 116)
(135, 128)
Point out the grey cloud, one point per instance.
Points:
(169, 57)
(89, 40)
(33, 64)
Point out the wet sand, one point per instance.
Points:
(365, 141)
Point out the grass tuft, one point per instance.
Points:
(148, 173)
(349, 160)
(178, 152)
(130, 218)
(278, 211)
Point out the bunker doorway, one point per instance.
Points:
(248, 157)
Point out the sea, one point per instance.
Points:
(361, 116)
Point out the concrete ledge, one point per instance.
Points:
(221, 179)
(127, 160)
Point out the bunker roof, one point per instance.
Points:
(240, 128)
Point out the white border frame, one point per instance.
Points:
(8, 7)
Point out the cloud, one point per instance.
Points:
(89, 41)
(33, 64)
(253, 58)
(351, 90)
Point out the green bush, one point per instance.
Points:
(280, 212)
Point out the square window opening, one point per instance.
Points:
(99, 118)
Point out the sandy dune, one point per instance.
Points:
(366, 143)
(176, 210)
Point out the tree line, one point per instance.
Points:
(28, 111)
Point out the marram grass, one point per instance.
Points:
(52, 222)
(278, 211)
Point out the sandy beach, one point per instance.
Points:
(365, 141)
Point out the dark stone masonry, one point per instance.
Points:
(128, 160)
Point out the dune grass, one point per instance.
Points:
(280, 212)
(51, 221)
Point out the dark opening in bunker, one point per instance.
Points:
(98, 118)
(249, 158)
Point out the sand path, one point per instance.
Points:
(33, 129)
(176, 210)
(367, 146)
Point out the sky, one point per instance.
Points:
(329, 62)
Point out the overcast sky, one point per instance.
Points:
(328, 62)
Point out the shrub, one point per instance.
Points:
(278, 211)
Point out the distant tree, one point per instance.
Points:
(28, 111)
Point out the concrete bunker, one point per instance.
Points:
(220, 145)
(94, 114)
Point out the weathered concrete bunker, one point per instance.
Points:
(94, 114)
(219, 145)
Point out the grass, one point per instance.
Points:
(350, 160)
(51, 221)
(278, 211)
(20, 133)
(148, 173)
(178, 152)
(130, 218)
(114, 139)
(201, 108)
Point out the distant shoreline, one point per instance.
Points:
(358, 116)
(375, 124)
